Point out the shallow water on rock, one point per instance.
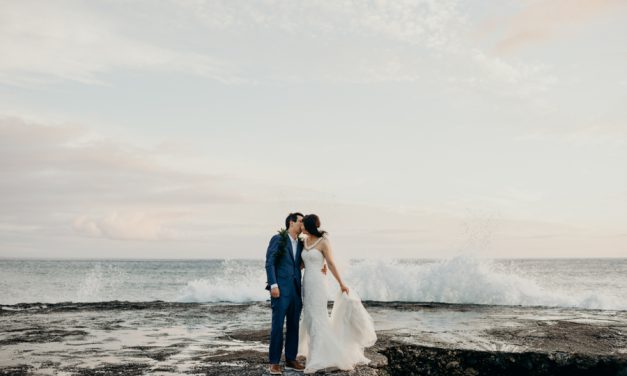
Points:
(162, 338)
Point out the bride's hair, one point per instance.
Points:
(311, 223)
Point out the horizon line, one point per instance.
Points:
(256, 259)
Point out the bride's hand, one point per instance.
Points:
(344, 289)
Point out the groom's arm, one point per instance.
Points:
(273, 247)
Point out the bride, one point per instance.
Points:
(336, 341)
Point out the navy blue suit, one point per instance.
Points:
(286, 273)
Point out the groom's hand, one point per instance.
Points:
(275, 292)
(324, 269)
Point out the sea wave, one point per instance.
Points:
(463, 279)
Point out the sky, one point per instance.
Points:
(190, 129)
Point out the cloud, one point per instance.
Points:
(608, 135)
(128, 226)
(512, 79)
(264, 42)
(415, 42)
(67, 177)
(45, 42)
(67, 191)
(322, 41)
(540, 21)
(427, 23)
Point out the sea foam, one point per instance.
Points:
(462, 279)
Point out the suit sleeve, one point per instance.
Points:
(271, 253)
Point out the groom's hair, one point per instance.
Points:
(293, 217)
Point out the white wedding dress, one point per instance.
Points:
(335, 341)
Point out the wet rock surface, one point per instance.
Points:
(163, 338)
(565, 336)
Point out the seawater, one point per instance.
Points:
(582, 283)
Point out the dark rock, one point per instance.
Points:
(154, 352)
(419, 360)
(127, 369)
(262, 335)
(564, 336)
(43, 335)
(18, 370)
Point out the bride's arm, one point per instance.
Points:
(328, 255)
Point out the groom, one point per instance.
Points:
(283, 269)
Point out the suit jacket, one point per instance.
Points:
(284, 269)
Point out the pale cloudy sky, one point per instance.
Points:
(189, 129)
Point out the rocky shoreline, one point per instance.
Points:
(165, 338)
(419, 360)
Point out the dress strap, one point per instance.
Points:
(314, 244)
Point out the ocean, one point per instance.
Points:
(580, 283)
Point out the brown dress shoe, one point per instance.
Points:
(275, 369)
(295, 365)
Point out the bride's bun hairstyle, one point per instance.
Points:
(312, 223)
